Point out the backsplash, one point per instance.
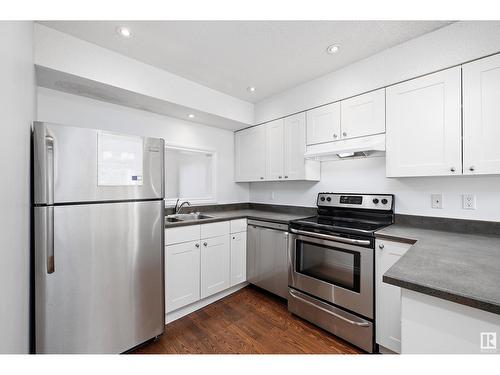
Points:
(413, 194)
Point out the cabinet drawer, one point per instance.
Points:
(182, 234)
(215, 229)
(239, 225)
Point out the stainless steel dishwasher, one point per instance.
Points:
(267, 256)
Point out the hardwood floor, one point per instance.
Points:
(249, 321)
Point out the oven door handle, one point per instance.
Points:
(297, 295)
(331, 238)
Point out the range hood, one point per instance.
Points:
(372, 145)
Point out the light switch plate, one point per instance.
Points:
(437, 200)
(469, 201)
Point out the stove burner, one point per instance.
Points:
(348, 213)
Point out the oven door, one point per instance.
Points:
(337, 272)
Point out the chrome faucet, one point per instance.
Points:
(177, 207)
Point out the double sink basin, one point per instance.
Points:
(186, 217)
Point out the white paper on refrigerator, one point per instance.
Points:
(119, 160)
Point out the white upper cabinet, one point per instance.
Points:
(363, 115)
(250, 152)
(295, 166)
(323, 124)
(481, 95)
(274, 150)
(423, 126)
(279, 146)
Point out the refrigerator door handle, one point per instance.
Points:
(49, 237)
(49, 147)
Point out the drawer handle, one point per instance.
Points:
(205, 244)
(381, 246)
(197, 244)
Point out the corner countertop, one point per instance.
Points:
(458, 267)
(276, 217)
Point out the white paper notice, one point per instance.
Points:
(119, 160)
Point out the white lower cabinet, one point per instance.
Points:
(215, 265)
(203, 260)
(238, 258)
(182, 274)
(388, 297)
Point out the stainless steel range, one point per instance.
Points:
(331, 260)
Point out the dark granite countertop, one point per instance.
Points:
(458, 267)
(277, 214)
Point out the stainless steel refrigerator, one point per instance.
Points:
(98, 239)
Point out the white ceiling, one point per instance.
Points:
(229, 56)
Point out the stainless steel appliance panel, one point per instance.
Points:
(337, 321)
(104, 292)
(65, 167)
(267, 259)
(360, 301)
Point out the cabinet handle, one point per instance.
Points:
(381, 246)
(234, 238)
(471, 168)
(197, 245)
(344, 134)
(279, 176)
(262, 178)
(334, 135)
(205, 244)
(452, 169)
(286, 176)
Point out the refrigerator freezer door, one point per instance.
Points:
(106, 292)
(66, 168)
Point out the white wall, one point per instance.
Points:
(412, 194)
(451, 45)
(98, 64)
(17, 98)
(58, 107)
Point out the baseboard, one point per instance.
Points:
(384, 350)
(183, 311)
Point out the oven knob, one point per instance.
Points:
(384, 201)
(322, 199)
(375, 200)
(328, 199)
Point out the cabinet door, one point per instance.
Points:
(215, 265)
(182, 275)
(250, 150)
(295, 146)
(481, 91)
(323, 124)
(274, 150)
(423, 128)
(238, 258)
(388, 297)
(363, 115)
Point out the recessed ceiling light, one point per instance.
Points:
(333, 48)
(251, 89)
(123, 31)
(191, 115)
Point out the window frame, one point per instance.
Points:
(170, 202)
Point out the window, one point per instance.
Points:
(189, 175)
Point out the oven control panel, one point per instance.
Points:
(364, 201)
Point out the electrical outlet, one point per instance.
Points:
(437, 200)
(468, 201)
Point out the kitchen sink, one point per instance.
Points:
(186, 217)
